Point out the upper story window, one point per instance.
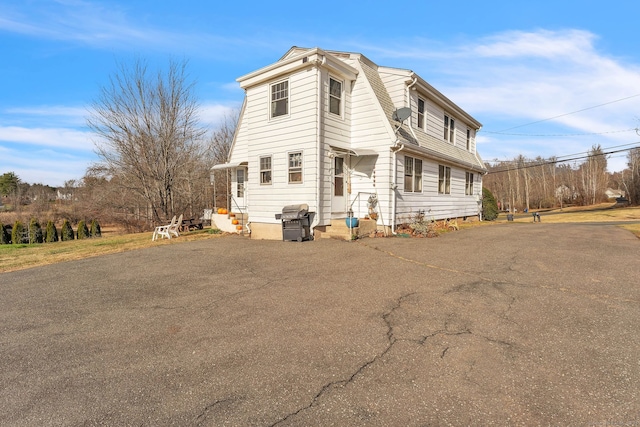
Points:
(295, 167)
(335, 96)
(468, 184)
(468, 139)
(280, 99)
(444, 179)
(265, 170)
(421, 121)
(412, 175)
(449, 129)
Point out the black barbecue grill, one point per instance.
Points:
(295, 222)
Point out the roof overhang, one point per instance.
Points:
(228, 165)
(434, 155)
(307, 59)
(358, 152)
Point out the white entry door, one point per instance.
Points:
(338, 204)
(240, 195)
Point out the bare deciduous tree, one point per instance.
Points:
(218, 150)
(149, 136)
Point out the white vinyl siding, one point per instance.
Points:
(435, 205)
(266, 137)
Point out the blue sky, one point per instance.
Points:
(518, 67)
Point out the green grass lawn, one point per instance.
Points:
(17, 257)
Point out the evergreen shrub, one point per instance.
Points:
(66, 232)
(16, 233)
(489, 205)
(35, 231)
(51, 233)
(83, 230)
(5, 237)
(95, 229)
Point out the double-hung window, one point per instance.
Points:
(265, 170)
(280, 99)
(335, 96)
(449, 129)
(421, 122)
(295, 167)
(412, 175)
(444, 179)
(468, 184)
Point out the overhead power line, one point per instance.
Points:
(562, 135)
(567, 114)
(558, 160)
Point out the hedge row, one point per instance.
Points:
(34, 233)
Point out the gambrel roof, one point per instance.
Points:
(357, 66)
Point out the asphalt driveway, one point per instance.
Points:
(511, 324)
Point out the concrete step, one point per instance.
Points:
(339, 230)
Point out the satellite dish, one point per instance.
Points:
(401, 114)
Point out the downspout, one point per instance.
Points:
(409, 86)
(319, 141)
(395, 148)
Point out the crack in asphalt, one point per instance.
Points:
(606, 299)
(341, 383)
(202, 417)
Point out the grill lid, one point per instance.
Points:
(295, 211)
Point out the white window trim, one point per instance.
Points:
(445, 180)
(301, 167)
(260, 170)
(450, 129)
(270, 109)
(413, 175)
(424, 114)
(342, 97)
(469, 183)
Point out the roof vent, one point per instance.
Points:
(305, 59)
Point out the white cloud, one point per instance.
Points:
(43, 114)
(213, 114)
(46, 166)
(49, 137)
(520, 78)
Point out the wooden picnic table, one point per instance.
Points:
(191, 224)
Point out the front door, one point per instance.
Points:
(240, 195)
(339, 184)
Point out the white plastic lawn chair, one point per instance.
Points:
(163, 230)
(175, 228)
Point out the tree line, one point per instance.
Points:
(539, 183)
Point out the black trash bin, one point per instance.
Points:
(295, 222)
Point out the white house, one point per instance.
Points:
(332, 129)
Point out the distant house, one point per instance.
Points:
(333, 129)
(614, 194)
